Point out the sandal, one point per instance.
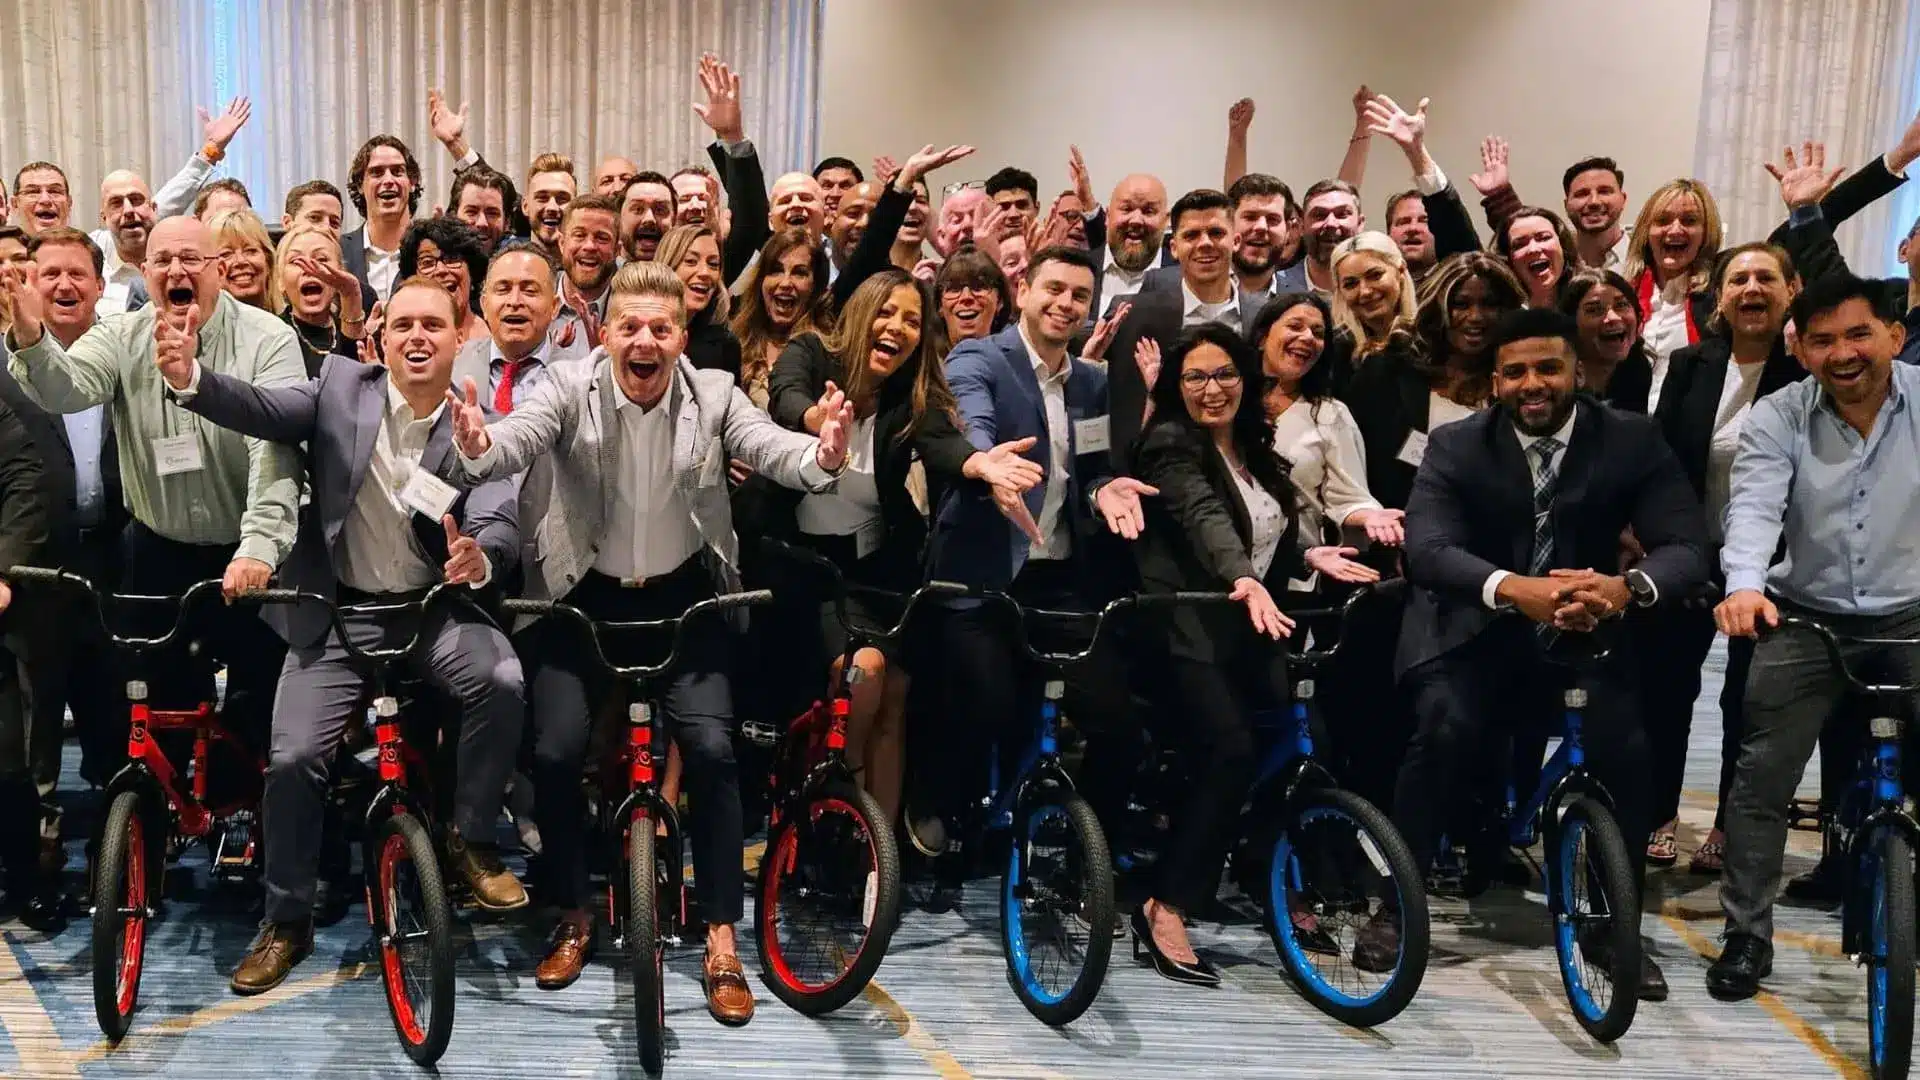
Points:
(1662, 849)
(1711, 857)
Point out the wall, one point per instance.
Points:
(1144, 86)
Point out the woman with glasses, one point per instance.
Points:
(452, 253)
(974, 299)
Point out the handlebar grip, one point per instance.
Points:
(945, 588)
(44, 574)
(1174, 599)
(275, 596)
(528, 607)
(1388, 588)
(750, 598)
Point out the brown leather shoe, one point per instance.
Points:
(272, 956)
(729, 997)
(494, 886)
(572, 945)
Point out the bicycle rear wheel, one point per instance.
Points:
(829, 899)
(414, 924)
(120, 915)
(1338, 866)
(1056, 908)
(1596, 919)
(645, 955)
(1890, 964)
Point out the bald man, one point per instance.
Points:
(1128, 238)
(612, 176)
(957, 212)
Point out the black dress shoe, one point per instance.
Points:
(1743, 963)
(44, 912)
(1598, 951)
(1824, 885)
(1198, 973)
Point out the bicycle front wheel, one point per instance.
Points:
(1596, 920)
(1890, 964)
(120, 915)
(414, 924)
(645, 955)
(1056, 908)
(829, 898)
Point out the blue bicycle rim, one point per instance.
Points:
(1877, 963)
(1016, 934)
(1565, 946)
(1283, 866)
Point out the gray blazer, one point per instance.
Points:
(340, 414)
(475, 361)
(570, 422)
(1167, 278)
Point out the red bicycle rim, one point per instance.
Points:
(392, 853)
(774, 869)
(133, 927)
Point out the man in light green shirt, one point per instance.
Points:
(205, 502)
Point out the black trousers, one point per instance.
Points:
(1368, 718)
(1461, 699)
(68, 665)
(568, 689)
(1671, 645)
(993, 692)
(19, 801)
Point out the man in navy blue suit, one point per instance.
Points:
(1024, 383)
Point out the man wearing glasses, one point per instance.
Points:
(205, 502)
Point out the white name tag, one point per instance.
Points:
(1092, 435)
(427, 494)
(1414, 449)
(174, 454)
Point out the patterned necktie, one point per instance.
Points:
(503, 394)
(1546, 478)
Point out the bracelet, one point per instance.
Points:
(1362, 137)
(212, 153)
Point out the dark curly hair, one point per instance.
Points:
(358, 172)
(456, 240)
(1252, 434)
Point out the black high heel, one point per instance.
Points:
(1199, 973)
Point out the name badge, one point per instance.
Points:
(175, 454)
(867, 539)
(1414, 449)
(427, 494)
(1093, 435)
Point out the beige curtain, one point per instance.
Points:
(1782, 71)
(101, 84)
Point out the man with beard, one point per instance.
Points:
(1499, 550)
(849, 223)
(1407, 227)
(696, 195)
(205, 502)
(486, 201)
(550, 187)
(646, 213)
(1596, 196)
(1129, 229)
(589, 252)
(384, 183)
(1330, 213)
(837, 176)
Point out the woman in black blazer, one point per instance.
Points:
(881, 359)
(1225, 521)
(1613, 360)
(693, 251)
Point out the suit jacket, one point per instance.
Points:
(746, 186)
(1472, 514)
(1690, 398)
(1199, 538)
(1167, 278)
(339, 415)
(712, 346)
(1096, 226)
(25, 509)
(1158, 313)
(570, 419)
(1000, 400)
(48, 432)
(353, 254)
(1390, 399)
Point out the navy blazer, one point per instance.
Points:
(1472, 513)
(999, 399)
(339, 414)
(353, 255)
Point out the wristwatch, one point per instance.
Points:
(1641, 586)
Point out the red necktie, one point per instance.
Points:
(503, 394)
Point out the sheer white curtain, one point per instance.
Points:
(101, 84)
(1782, 71)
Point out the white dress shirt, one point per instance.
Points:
(1054, 523)
(87, 435)
(1118, 283)
(1665, 333)
(120, 276)
(651, 531)
(526, 378)
(1492, 587)
(1194, 311)
(852, 508)
(382, 268)
(1736, 401)
(1265, 516)
(1329, 460)
(379, 552)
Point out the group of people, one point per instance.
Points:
(606, 389)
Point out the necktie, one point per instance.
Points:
(1546, 478)
(503, 394)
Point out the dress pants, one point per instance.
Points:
(1792, 693)
(462, 654)
(1671, 645)
(69, 666)
(19, 819)
(568, 689)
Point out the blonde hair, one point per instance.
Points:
(239, 227)
(277, 301)
(650, 279)
(674, 247)
(1640, 246)
(550, 162)
(1406, 307)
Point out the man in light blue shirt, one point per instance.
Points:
(1827, 471)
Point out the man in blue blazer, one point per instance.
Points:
(1024, 383)
(381, 528)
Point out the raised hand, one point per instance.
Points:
(885, 169)
(449, 127)
(817, 413)
(926, 160)
(1240, 116)
(1083, 184)
(22, 285)
(244, 576)
(1267, 617)
(1361, 97)
(1386, 117)
(1103, 331)
(466, 563)
(220, 130)
(469, 422)
(1804, 180)
(1493, 166)
(722, 109)
(377, 317)
(174, 347)
(1119, 502)
(1337, 563)
(835, 430)
(1146, 357)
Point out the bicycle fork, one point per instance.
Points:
(1888, 801)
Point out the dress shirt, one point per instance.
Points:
(1322, 443)
(87, 435)
(852, 508)
(119, 276)
(1665, 333)
(1058, 542)
(1194, 311)
(246, 490)
(1736, 401)
(382, 268)
(1844, 503)
(1119, 283)
(526, 379)
(174, 199)
(651, 531)
(1489, 591)
(379, 552)
(1268, 521)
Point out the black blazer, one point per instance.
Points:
(1199, 538)
(48, 433)
(1096, 226)
(1631, 383)
(1472, 513)
(798, 379)
(1155, 314)
(353, 254)
(25, 509)
(746, 187)
(712, 345)
(874, 252)
(1695, 377)
(1388, 396)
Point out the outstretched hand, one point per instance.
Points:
(1386, 117)
(927, 160)
(722, 108)
(1119, 503)
(1267, 617)
(1102, 337)
(1009, 475)
(469, 422)
(220, 130)
(1493, 166)
(174, 346)
(466, 563)
(836, 428)
(1804, 180)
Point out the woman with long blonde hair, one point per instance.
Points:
(312, 289)
(1670, 257)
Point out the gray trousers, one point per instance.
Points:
(460, 653)
(1792, 690)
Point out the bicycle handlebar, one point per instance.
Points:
(41, 575)
(716, 605)
(842, 588)
(1390, 588)
(1838, 659)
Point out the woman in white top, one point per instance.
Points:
(1312, 431)
(1670, 257)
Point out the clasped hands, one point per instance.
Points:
(1571, 600)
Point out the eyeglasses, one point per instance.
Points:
(963, 290)
(1225, 379)
(961, 185)
(191, 262)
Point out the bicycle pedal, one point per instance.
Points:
(760, 734)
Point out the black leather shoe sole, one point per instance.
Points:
(1738, 986)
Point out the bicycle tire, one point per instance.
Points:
(1093, 908)
(1890, 964)
(879, 896)
(1586, 816)
(1388, 853)
(404, 855)
(120, 884)
(644, 952)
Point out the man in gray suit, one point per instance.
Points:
(639, 527)
(381, 529)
